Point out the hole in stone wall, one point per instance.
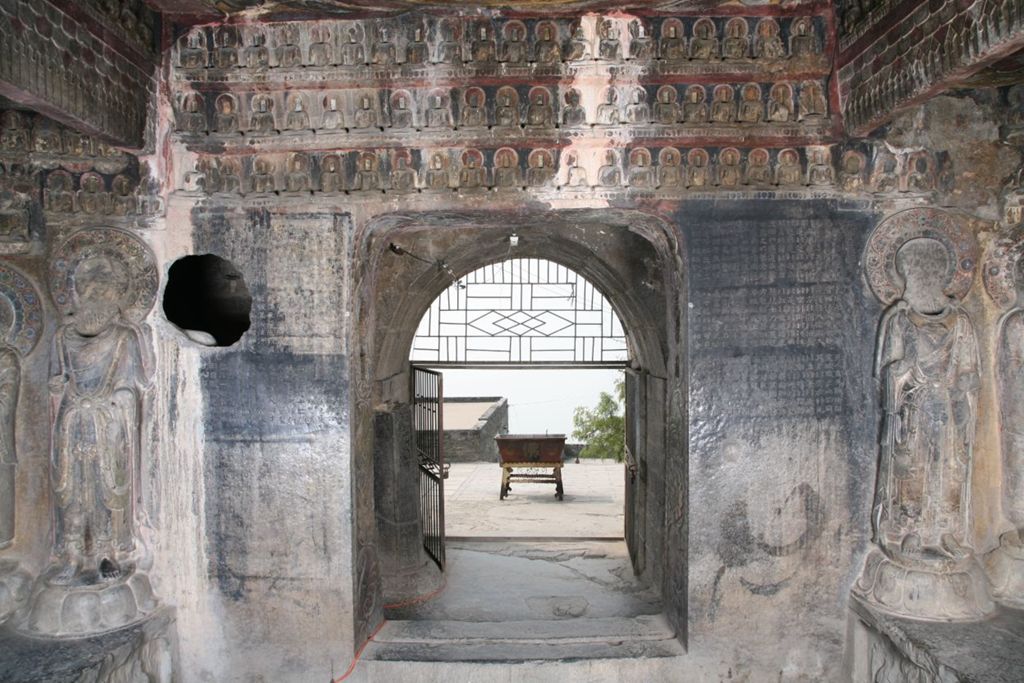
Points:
(206, 296)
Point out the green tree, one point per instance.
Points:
(602, 429)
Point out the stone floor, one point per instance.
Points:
(592, 508)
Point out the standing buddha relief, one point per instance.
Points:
(921, 263)
(1004, 281)
(105, 281)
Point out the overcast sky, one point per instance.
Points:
(540, 401)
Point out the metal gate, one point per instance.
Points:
(428, 430)
(635, 417)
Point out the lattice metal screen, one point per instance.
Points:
(521, 311)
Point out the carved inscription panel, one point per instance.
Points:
(770, 302)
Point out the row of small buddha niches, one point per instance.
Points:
(848, 363)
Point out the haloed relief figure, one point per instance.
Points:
(10, 386)
(927, 364)
(99, 376)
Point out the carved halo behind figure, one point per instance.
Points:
(1000, 265)
(951, 230)
(27, 326)
(119, 246)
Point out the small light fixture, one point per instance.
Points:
(513, 240)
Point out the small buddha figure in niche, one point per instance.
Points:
(416, 51)
(403, 178)
(367, 177)
(641, 45)
(58, 197)
(920, 178)
(576, 175)
(263, 176)
(736, 44)
(768, 44)
(262, 119)
(538, 113)
(122, 196)
(352, 52)
(331, 179)
(506, 110)
(298, 119)
(46, 137)
(436, 176)
(192, 55)
(928, 368)
(226, 54)
(608, 111)
(723, 108)
(540, 168)
(638, 111)
(751, 109)
(803, 42)
(297, 177)
(320, 53)
(851, 172)
(573, 115)
(191, 119)
(473, 114)
(704, 44)
(401, 111)
(812, 101)
(695, 109)
(92, 198)
(729, 171)
(384, 52)
(698, 172)
(758, 171)
(641, 172)
(610, 174)
(670, 169)
(666, 109)
(483, 49)
(450, 49)
(788, 172)
(579, 48)
(439, 114)
(472, 175)
(332, 118)
(609, 47)
(366, 114)
(506, 169)
(672, 47)
(547, 50)
(289, 54)
(514, 50)
(226, 120)
(14, 135)
(819, 168)
(883, 177)
(257, 55)
(230, 182)
(780, 103)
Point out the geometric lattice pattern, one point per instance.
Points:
(521, 311)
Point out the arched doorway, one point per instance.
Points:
(635, 260)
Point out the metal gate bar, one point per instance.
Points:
(428, 430)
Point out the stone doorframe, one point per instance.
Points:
(635, 259)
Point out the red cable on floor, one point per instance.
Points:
(406, 603)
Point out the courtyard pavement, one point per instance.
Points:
(592, 508)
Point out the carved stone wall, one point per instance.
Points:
(89, 65)
(893, 54)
